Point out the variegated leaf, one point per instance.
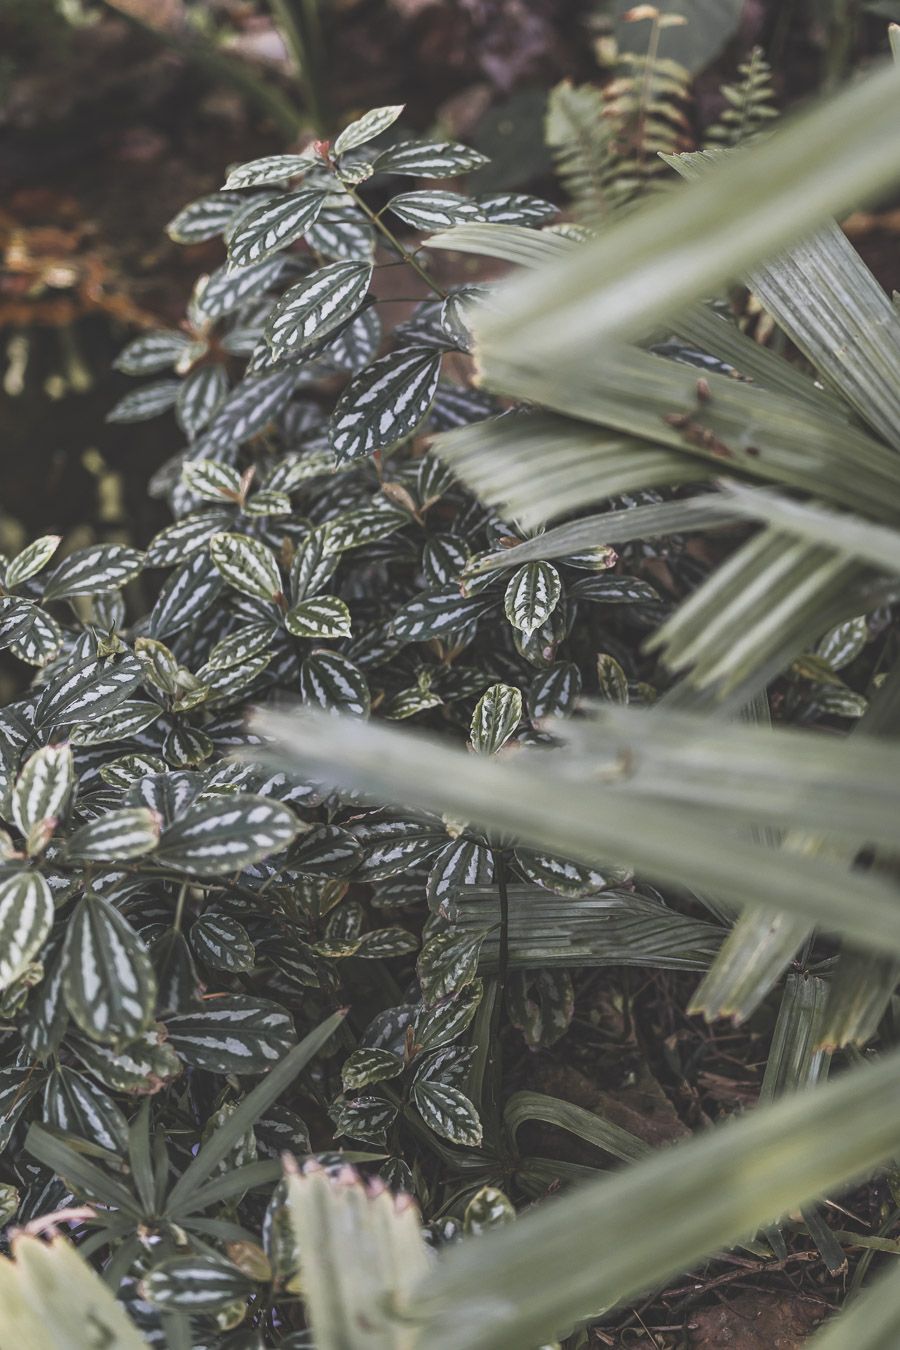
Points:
(367, 1119)
(554, 692)
(26, 913)
(321, 616)
(532, 595)
(87, 689)
(152, 352)
(429, 159)
(342, 233)
(251, 407)
(74, 1104)
(332, 681)
(148, 401)
(369, 1066)
(145, 1065)
(448, 1112)
(126, 720)
(515, 208)
(242, 646)
(31, 560)
(496, 716)
(366, 128)
(447, 963)
(108, 981)
(115, 836)
(385, 403)
(437, 614)
(462, 862)
(247, 565)
(89, 571)
(186, 594)
(317, 305)
(195, 1284)
(186, 537)
(273, 226)
(226, 289)
(205, 218)
(234, 1034)
(565, 877)
(43, 787)
(226, 834)
(223, 943)
(269, 169)
(434, 210)
(199, 397)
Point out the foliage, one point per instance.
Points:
(189, 902)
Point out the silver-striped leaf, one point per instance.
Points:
(226, 289)
(185, 537)
(128, 719)
(366, 1119)
(462, 862)
(212, 481)
(321, 616)
(332, 681)
(342, 233)
(247, 565)
(429, 159)
(89, 571)
(515, 208)
(186, 593)
(26, 915)
(219, 835)
(273, 226)
(434, 210)
(115, 836)
(205, 218)
(318, 304)
(366, 1066)
(40, 642)
(385, 403)
(108, 980)
(367, 127)
(195, 1284)
(152, 352)
(234, 1034)
(43, 787)
(251, 407)
(87, 689)
(199, 397)
(436, 614)
(497, 714)
(447, 963)
(220, 941)
(31, 560)
(565, 877)
(554, 692)
(148, 401)
(448, 1112)
(145, 1065)
(269, 169)
(532, 595)
(74, 1104)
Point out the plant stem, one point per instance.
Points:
(179, 908)
(392, 239)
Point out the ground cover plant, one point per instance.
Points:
(265, 978)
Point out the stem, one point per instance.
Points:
(179, 908)
(392, 239)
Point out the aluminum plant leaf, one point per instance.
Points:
(31, 560)
(152, 352)
(26, 914)
(148, 401)
(116, 835)
(317, 305)
(224, 834)
(233, 1034)
(429, 159)
(186, 593)
(385, 403)
(74, 1104)
(89, 571)
(684, 245)
(195, 1284)
(321, 616)
(221, 942)
(43, 787)
(433, 210)
(89, 688)
(49, 1295)
(247, 565)
(108, 981)
(532, 595)
(273, 225)
(367, 127)
(497, 715)
(588, 823)
(447, 1111)
(330, 680)
(269, 169)
(200, 396)
(604, 1244)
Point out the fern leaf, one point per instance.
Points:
(750, 104)
(579, 138)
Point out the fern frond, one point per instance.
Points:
(750, 104)
(579, 136)
(646, 106)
